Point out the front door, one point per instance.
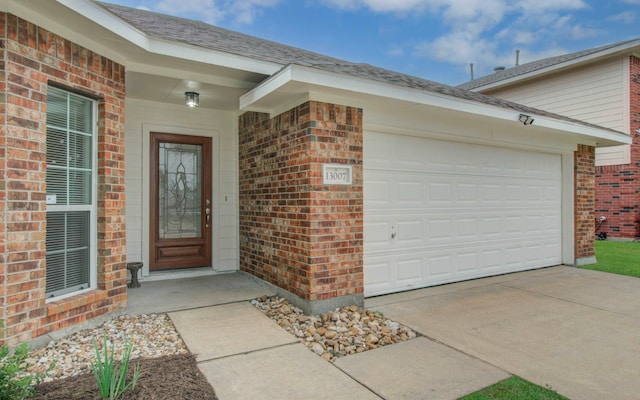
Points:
(180, 219)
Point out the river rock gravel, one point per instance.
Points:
(343, 331)
(152, 336)
(338, 333)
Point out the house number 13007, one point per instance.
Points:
(336, 174)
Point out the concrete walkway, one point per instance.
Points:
(575, 330)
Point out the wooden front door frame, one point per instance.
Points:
(167, 254)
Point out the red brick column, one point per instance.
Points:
(3, 185)
(584, 203)
(302, 236)
(618, 189)
(34, 58)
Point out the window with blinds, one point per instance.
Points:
(70, 192)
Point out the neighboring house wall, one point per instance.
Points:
(221, 126)
(604, 93)
(33, 58)
(617, 186)
(304, 237)
(595, 93)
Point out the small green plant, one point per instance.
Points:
(11, 386)
(14, 384)
(111, 376)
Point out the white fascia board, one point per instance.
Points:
(214, 57)
(312, 77)
(597, 134)
(151, 44)
(100, 16)
(632, 47)
(267, 87)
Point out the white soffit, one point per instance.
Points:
(298, 82)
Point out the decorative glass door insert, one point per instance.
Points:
(180, 201)
(180, 190)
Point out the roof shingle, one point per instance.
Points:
(207, 36)
(541, 64)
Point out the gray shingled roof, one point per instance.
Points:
(207, 36)
(541, 64)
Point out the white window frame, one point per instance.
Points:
(91, 208)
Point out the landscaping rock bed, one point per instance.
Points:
(344, 331)
(152, 336)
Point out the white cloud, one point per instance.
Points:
(213, 11)
(458, 46)
(382, 6)
(625, 17)
(579, 32)
(471, 23)
(245, 11)
(206, 10)
(487, 32)
(524, 37)
(395, 51)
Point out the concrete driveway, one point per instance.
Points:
(575, 330)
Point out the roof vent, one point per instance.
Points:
(499, 68)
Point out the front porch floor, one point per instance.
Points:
(188, 293)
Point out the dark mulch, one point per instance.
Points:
(171, 377)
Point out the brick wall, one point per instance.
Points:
(304, 237)
(32, 58)
(584, 181)
(618, 189)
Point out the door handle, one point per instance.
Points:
(208, 213)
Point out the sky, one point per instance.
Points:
(432, 39)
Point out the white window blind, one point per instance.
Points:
(70, 199)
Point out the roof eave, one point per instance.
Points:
(296, 83)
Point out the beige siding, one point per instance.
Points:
(613, 155)
(222, 127)
(595, 93)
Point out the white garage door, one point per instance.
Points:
(438, 211)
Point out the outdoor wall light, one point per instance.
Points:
(192, 99)
(526, 119)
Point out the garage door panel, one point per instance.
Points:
(462, 230)
(456, 211)
(467, 227)
(401, 191)
(379, 276)
(440, 229)
(377, 232)
(410, 232)
(409, 270)
(467, 261)
(440, 265)
(410, 153)
(410, 192)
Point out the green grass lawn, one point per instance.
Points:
(617, 257)
(514, 388)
